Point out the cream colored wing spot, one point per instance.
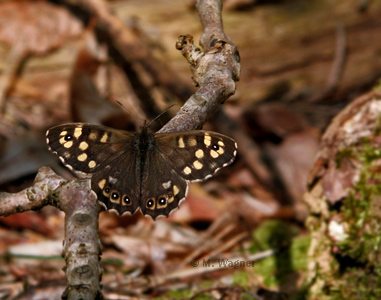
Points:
(83, 146)
(93, 136)
(62, 140)
(220, 151)
(214, 154)
(114, 197)
(187, 171)
(221, 143)
(67, 154)
(68, 145)
(63, 133)
(126, 200)
(199, 153)
(176, 190)
(192, 142)
(170, 197)
(198, 165)
(162, 202)
(181, 142)
(167, 184)
(104, 138)
(102, 183)
(92, 164)
(82, 157)
(207, 140)
(150, 204)
(106, 192)
(78, 132)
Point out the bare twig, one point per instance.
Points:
(214, 71)
(204, 267)
(35, 197)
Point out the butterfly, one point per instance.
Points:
(140, 170)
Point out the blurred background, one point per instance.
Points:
(302, 62)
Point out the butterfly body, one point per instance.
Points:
(141, 170)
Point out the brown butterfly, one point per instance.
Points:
(132, 170)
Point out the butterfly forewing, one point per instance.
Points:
(197, 155)
(106, 153)
(88, 148)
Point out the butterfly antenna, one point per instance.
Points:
(162, 113)
(128, 112)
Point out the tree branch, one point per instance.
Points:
(214, 71)
(32, 198)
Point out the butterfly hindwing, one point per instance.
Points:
(118, 186)
(163, 189)
(196, 155)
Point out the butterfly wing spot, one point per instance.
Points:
(198, 165)
(62, 133)
(187, 170)
(104, 138)
(199, 153)
(150, 203)
(82, 157)
(83, 146)
(106, 192)
(126, 200)
(102, 183)
(68, 145)
(67, 154)
(180, 142)
(170, 197)
(115, 197)
(192, 142)
(112, 180)
(78, 132)
(162, 203)
(167, 184)
(207, 140)
(176, 190)
(93, 136)
(221, 143)
(214, 154)
(92, 164)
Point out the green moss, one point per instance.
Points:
(359, 275)
(361, 211)
(273, 234)
(240, 278)
(291, 257)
